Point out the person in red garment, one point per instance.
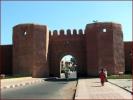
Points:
(102, 77)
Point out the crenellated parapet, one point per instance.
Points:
(66, 33)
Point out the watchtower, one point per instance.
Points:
(30, 50)
(105, 48)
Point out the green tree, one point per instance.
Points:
(73, 60)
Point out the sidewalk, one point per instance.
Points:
(123, 83)
(16, 82)
(92, 89)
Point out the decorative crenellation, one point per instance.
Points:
(67, 32)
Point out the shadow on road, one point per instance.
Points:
(96, 82)
(59, 79)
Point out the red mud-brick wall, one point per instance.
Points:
(127, 49)
(40, 51)
(6, 59)
(37, 54)
(30, 48)
(22, 49)
(71, 42)
(118, 48)
(104, 46)
(91, 49)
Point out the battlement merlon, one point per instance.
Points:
(66, 33)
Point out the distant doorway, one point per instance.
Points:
(68, 67)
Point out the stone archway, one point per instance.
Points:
(68, 64)
(55, 64)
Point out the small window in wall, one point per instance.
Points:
(104, 30)
(25, 33)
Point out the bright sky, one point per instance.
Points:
(67, 58)
(64, 14)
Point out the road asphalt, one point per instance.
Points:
(62, 89)
(40, 88)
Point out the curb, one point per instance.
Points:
(75, 90)
(121, 87)
(21, 84)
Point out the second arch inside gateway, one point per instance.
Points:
(68, 67)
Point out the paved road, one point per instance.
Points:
(44, 90)
(86, 89)
(92, 89)
(71, 74)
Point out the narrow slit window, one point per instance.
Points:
(104, 30)
(25, 33)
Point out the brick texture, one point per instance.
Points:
(30, 49)
(37, 52)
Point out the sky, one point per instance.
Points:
(64, 15)
(67, 58)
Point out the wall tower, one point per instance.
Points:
(105, 48)
(30, 50)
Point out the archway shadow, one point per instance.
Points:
(56, 79)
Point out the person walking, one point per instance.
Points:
(102, 77)
(105, 71)
(66, 72)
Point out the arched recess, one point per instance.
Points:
(55, 64)
(68, 64)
